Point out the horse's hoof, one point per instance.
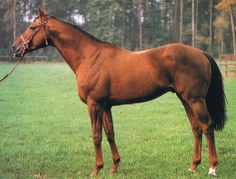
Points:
(113, 171)
(96, 170)
(114, 167)
(212, 172)
(93, 174)
(191, 170)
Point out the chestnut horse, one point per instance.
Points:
(108, 75)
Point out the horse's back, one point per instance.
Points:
(152, 72)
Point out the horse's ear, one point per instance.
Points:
(42, 13)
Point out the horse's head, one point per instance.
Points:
(34, 37)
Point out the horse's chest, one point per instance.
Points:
(84, 83)
(82, 93)
(84, 88)
(92, 87)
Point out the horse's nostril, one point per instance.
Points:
(13, 46)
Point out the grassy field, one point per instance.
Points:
(45, 129)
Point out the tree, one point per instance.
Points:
(210, 26)
(227, 5)
(132, 24)
(14, 19)
(43, 3)
(221, 25)
(175, 20)
(139, 17)
(181, 22)
(196, 22)
(8, 25)
(193, 24)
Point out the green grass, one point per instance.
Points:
(44, 128)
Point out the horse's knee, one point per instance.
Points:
(97, 140)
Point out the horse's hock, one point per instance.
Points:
(227, 64)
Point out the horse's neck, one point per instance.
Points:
(75, 46)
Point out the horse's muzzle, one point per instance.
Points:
(17, 50)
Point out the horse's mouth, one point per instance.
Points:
(18, 52)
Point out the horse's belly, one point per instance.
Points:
(136, 99)
(136, 92)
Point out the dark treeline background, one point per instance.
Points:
(132, 24)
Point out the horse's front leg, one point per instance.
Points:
(108, 127)
(96, 112)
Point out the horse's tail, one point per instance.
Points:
(215, 99)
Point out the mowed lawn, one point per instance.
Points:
(45, 129)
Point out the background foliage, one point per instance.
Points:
(132, 24)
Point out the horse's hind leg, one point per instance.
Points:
(108, 128)
(197, 132)
(202, 117)
(208, 131)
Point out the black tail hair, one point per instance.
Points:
(216, 99)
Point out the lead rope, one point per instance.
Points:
(10, 72)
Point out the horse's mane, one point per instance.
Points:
(90, 36)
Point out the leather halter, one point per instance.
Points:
(26, 46)
(28, 39)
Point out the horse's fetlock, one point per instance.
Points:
(116, 161)
(197, 162)
(214, 162)
(99, 166)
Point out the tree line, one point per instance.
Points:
(132, 24)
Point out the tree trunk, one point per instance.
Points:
(145, 18)
(139, 16)
(163, 13)
(14, 20)
(181, 22)
(124, 28)
(232, 27)
(43, 4)
(174, 21)
(193, 24)
(210, 26)
(196, 23)
(110, 35)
